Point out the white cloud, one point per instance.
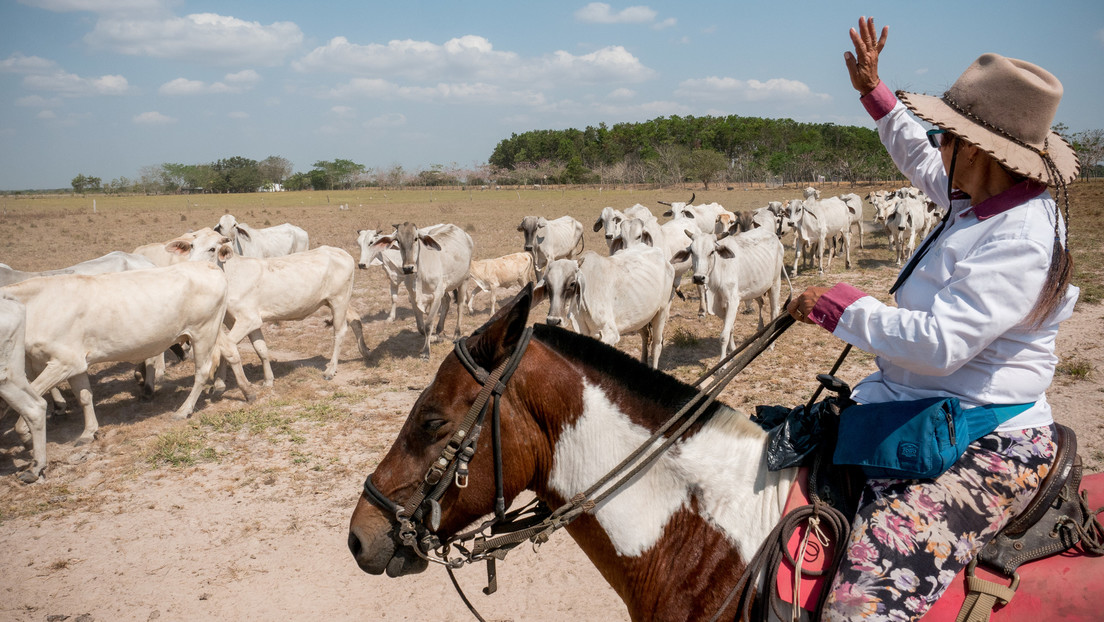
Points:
(731, 89)
(72, 85)
(667, 23)
(469, 58)
(238, 114)
(204, 37)
(921, 71)
(343, 111)
(97, 6)
(232, 83)
(622, 94)
(153, 118)
(46, 115)
(18, 63)
(602, 13)
(393, 119)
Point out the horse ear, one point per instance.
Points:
(495, 341)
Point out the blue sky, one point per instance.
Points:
(106, 87)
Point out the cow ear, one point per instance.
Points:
(382, 242)
(617, 245)
(597, 225)
(242, 233)
(669, 213)
(680, 256)
(430, 242)
(225, 253)
(647, 238)
(179, 247)
(724, 251)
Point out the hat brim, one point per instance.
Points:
(1012, 155)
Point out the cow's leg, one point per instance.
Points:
(146, 375)
(494, 298)
(229, 355)
(460, 292)
(352, 318)
(394, 301)
(730, 309)
(18, 394)
(434, 309)
(257, 340)
(659, 322)
(83, 390)
(339, 309)
(645, 343)
(205, 351)
(57, 401)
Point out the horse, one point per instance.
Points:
(674, 543)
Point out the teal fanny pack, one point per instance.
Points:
(918, 439)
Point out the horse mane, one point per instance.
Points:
(651, 384)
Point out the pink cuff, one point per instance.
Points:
(879, 101)
(828, 309)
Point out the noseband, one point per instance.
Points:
(451, 466)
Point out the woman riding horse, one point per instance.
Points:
(977, 316)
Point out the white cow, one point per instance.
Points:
(606, 297)
(490, 274)
(709, 217)
(9, 275)
(550, 240)
(435, 262)
(637, 231)
(815, 222)
(855, 212)
(279, 289)
(275, 241)
(742, 267)
(909, 216)
(387, 258)
(14, 387)
(124, 317)
(159, 254)
(609, 222)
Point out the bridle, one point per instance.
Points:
(451, 467)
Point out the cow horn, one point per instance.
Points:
(691, 201)
(664, 203)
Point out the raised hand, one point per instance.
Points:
(863, 64)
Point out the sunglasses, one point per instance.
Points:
(932, 133)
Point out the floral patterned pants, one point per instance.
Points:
(911, 537)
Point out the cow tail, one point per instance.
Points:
(788, 284)
(581, 245)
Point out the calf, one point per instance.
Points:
(435, 265)
(490, 274)
(606, 297)
(746, 266)
(275, 241)
(124, 317)
(14, 388)
(387, 258)
(281, 288)
(549, 240)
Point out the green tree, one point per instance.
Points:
(236, 174)
(705, 165)
(83, 183)
(274, 169)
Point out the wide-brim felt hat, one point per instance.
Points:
(1005, 107)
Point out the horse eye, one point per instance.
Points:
(433, 426)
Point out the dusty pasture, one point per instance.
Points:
(241, 512)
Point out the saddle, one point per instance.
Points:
(1057, 519)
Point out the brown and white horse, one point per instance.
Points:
(672, 545)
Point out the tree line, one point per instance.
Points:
(662, 151)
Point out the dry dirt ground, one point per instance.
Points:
(241, 512)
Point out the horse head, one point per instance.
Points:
(429, 434)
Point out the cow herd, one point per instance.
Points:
(210, 289)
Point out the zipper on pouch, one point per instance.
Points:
(950, 424)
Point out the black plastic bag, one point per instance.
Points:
(793, 434)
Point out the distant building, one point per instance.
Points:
(271, 187)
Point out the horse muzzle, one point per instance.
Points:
(382, 553)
